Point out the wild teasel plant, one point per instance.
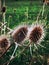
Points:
(36, 36)
(18, 36)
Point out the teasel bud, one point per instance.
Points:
(43, 0)
(4, 43)
(36, 34)
(3, 9)
(20, 34)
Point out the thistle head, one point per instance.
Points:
(36, 34)
(20, 34)
(3, 41)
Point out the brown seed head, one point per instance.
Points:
(35, 34)
(3, 42)
(20, 34)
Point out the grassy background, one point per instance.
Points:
(23, 11)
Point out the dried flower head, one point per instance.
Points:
(3, 41)
(36, 33)
(20, 34)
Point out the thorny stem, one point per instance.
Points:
(30, 49)
(4, 22)
(4, 17)
(16, 45)
(13, 53)
(5, 51)
(42, 10)
(38, 15)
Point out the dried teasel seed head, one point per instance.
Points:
(3, 41)
(36, 34)
(4, 44)
(20, 34)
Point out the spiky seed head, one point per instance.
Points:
(36, 34)
(3, 42)
(20, 34)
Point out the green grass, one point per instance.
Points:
(18, 9)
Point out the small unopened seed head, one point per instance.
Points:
(3, 9)
(36, 34)
(20, 34)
